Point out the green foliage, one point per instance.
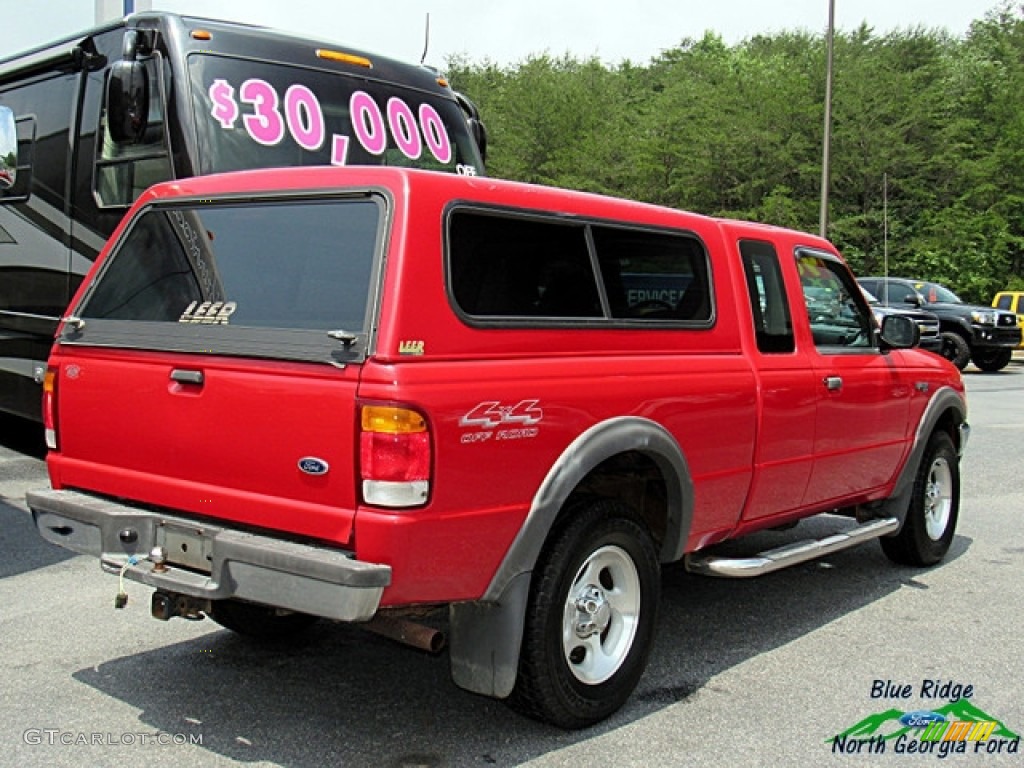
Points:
(927, 150)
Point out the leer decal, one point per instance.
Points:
(208, 313)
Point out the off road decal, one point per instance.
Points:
(498, 421)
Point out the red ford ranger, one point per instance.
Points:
(342, 392)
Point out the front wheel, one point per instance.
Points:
(955, 349)
(590, 617)
(992, 360)
(934, 506)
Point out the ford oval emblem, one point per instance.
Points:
(921, 718)
(311, 465)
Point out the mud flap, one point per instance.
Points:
(486, 638)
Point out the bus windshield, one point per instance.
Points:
(252, 114)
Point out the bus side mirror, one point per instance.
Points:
(127, 102)
(476, 126)
(128, 90)
(8, 149)
(479, 132)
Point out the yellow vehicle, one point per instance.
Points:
(1014, 302)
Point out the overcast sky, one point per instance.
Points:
(507, 32)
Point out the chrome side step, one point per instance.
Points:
(791, 554)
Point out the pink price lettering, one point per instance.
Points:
(300, 116)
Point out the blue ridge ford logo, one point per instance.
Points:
(311, 465)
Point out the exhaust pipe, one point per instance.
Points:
(407, 632)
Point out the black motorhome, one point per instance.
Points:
(88, 123)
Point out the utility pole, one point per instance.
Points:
(827, 138)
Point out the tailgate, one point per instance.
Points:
(266, 444)
(211, 361)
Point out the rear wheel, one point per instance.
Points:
(590, 617)
(991, 360)
(260, 622)
(955, 349)
(934, 506)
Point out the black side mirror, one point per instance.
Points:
(476, 126)
(900, 332)
(127, 102)
(479, 131)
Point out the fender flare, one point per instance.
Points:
(486, 635)
(943, 402)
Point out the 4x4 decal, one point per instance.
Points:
(491, 414)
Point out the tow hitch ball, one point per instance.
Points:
(166, 605)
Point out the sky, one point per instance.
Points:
(509, 32)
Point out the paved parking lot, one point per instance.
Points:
(752, 673)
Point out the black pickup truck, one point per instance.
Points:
(970, 333)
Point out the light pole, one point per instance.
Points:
(827, 138)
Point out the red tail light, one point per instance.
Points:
(50, 408)
(394, 456)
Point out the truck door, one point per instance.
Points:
(862, 400)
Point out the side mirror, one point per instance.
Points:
(8, 148)
(476, 126)
(479, 132)
(127, 102)
(899, 332)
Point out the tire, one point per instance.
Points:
(992, 360)
(955, 349)
(590, 617)
(259, 622)
(934, 507)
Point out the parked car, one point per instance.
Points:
(1012, 301)
(927, 322)
(970, 332)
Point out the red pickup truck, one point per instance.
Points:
(345, 393)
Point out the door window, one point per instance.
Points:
(839, 316)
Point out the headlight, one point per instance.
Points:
(983, 318)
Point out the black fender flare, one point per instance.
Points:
(486, 635)
(945, 401)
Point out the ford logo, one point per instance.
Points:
(921, 718)
(311, 465)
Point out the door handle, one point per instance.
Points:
(184, 376)
(833, 383)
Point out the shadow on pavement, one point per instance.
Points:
(22, 549)
(22, 436)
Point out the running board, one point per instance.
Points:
(791, 554)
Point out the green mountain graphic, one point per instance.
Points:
(886, 725)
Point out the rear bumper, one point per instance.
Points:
(208, 561)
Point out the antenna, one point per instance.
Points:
(426, 41)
